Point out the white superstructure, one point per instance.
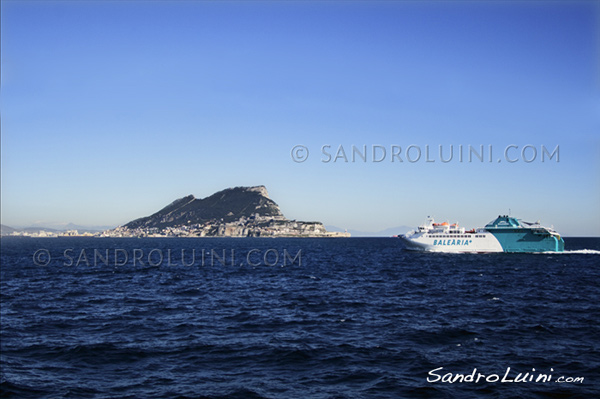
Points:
(446, 237)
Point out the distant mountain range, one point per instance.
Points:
(392, 231)
(6, 230)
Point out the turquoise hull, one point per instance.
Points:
(516, 237)
(513, 240)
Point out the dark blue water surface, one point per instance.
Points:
(293, 318)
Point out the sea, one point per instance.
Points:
(295, 318)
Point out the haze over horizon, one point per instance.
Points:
(112, 110)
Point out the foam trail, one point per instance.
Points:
(580, 251)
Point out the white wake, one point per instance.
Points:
(580, 251)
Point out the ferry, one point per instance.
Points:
(504, 234)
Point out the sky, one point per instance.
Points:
(111, 110)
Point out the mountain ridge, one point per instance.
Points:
(226, 205)
(237, 212)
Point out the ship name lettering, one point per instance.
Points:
(451, 242)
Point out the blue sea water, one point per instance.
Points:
(294, 318)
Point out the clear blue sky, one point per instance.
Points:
(111, 110)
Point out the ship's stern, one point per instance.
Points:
(559, 243)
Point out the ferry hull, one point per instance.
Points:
(504, 234)
(527, 241)
(517, 236)
(477, 243)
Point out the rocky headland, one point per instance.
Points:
(233, 212)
